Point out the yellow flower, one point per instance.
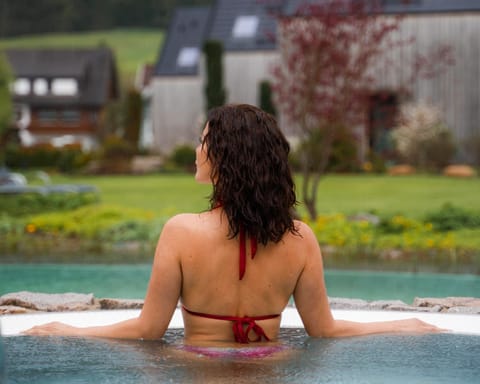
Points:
(31, 228)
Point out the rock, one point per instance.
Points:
(385, 304)
(145, 164)
(50, 302)
(13, 310)
(120, 304)
(447, 302)
(341, 303)
(465, 310)
(459, 171)
(402, 169)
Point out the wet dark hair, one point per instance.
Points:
(250, 172)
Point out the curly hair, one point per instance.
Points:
(250, 172)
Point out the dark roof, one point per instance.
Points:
(227, 12)
(93, 68)
(187, 31)
(405, 6)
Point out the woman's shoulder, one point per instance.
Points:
(183, 221)
(303, 230)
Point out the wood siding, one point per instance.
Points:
(454, 90)
(87, 122)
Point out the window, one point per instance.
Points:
(245, 27)
(21, 86)
(70, 116)
(40, 87)
(47, 116)
(188, 57)
(64, 87)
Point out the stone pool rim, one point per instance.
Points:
(13, 325)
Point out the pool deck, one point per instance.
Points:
(13, 325)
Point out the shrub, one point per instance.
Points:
(66, 159)
(115, 155)
(422, 138)
(35, 203)
(450, 217)
(182, 158)
(92, 222)
(343, 156)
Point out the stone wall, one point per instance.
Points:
(31, 302)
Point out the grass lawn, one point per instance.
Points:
(131, 46)
(159, 196)
(411, 196)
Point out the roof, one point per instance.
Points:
(93, 68)
(246, 24)
(183, 43)
(250, 25)
(405, 6)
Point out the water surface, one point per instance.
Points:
(439, 358)
(130, 281)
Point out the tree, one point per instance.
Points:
(214, 91)
(326, 55)
(133, 117)
(5, 104)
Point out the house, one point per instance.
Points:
(175, 96)
(248, 31)
(59, 95)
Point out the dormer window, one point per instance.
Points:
(64, 87)
(40, 87)
(21, 86)
(245, 27)
(188, 57)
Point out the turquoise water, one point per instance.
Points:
(130, 281)
(438, 358)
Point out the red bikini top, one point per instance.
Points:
(241, 326)
(243, 248)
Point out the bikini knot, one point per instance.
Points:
(242, 328)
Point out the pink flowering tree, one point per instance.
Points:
(320, 85)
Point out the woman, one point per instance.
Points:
(235, 267)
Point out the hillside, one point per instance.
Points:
(132, 47)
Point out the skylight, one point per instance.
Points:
(64, 87)
(21, 86)
(40, 87)
(188, 57)
(245, 27)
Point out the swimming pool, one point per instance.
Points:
(130, 282)
(435, 358)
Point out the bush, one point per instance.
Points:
(343, 156)
(66, 159)
(99, 222)
(422, 138)
(182, 158)
(115, 155)
(35, 203)
(450, 217)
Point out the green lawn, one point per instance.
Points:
(132, 47)
(411, 196)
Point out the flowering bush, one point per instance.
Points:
(397, 232)
(422, 137)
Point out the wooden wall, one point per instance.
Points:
(455, 90)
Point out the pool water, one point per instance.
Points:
(130, 281)
(438, 358)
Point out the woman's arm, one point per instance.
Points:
(160, 301)
(312, 303)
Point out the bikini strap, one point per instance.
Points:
(243, 251)
(241, 325)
